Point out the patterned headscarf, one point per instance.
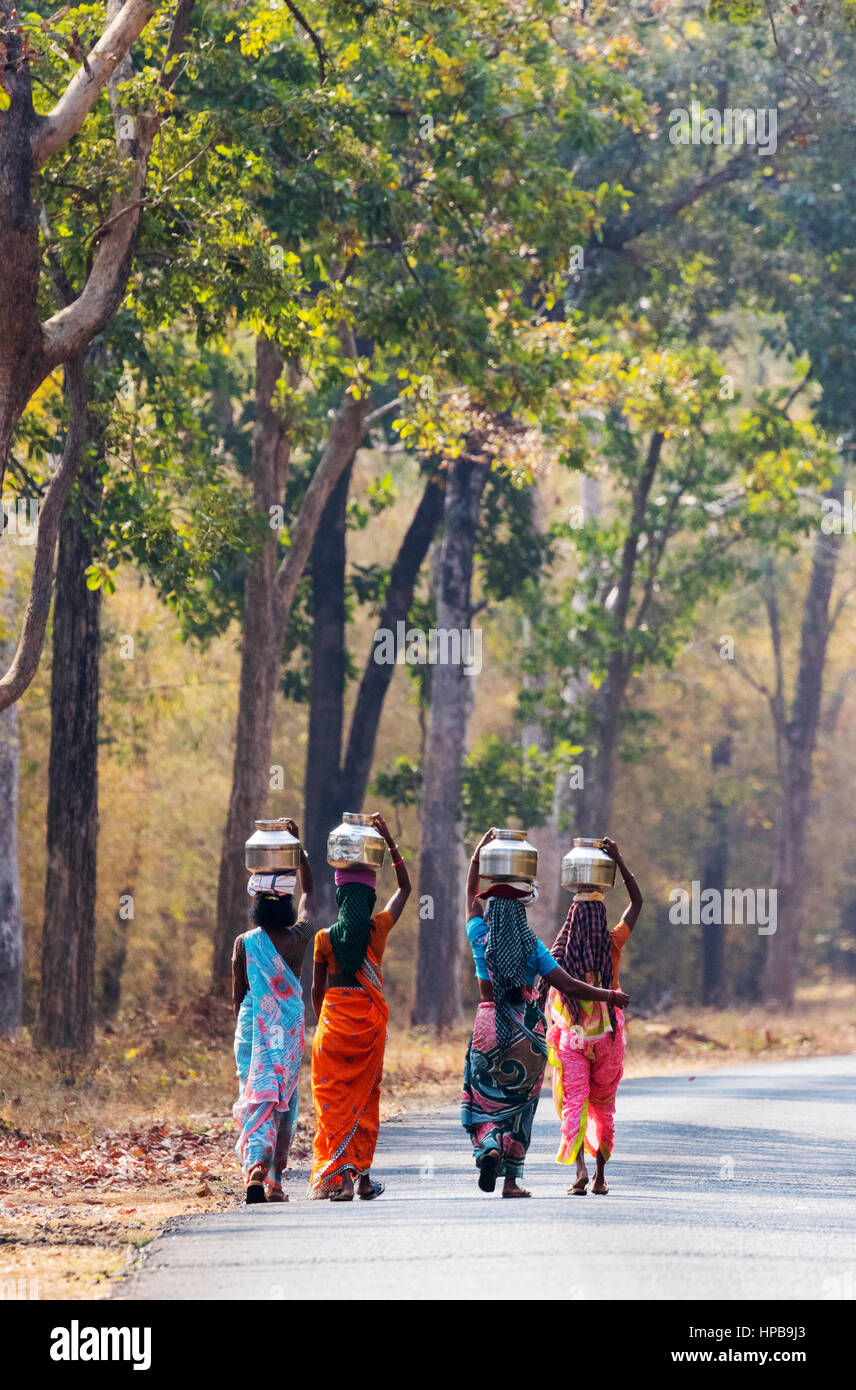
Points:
(584, 949)
(508, 945)
(349, 934)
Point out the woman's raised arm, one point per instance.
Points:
(395, 906)
(473, 873)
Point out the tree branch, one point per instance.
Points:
(26, 659)
(321, 51)
(68, 331)
(346, 433)
(85, 87)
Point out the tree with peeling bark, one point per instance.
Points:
(32, 348)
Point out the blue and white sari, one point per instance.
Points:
(268, 1053)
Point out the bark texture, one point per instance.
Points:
(66, 1012)
(714, 874)
(333, 784)
(438, 978)
(796, 739)
(11, 924)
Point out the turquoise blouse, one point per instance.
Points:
(539, 963)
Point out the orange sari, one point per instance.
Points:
(347, 1066)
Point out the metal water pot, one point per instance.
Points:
(587, 862)
(271, 849)
(508, 855)
(355, 843)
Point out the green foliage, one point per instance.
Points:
(503, 781)
(402, 786)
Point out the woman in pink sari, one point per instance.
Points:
(586, 1040)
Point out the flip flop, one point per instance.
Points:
(600, 1191)
(579, 1188)
(489, 1170)
(277, 1196)
(341, 1197)
(377, 1189)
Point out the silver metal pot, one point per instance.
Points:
(587, 862)
(508, 855)
(271, 849)
(355, 843)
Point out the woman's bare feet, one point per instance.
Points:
(346, 1191)
(600, 1186)
(580, 1187)
(511, 1189)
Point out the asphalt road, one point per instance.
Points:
(738, 1184)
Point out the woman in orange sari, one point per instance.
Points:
(347, 1053)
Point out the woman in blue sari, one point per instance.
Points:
(269, 1011)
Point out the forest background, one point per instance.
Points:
(330, 317)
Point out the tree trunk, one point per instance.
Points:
(268, 598)
(713, 875)
(330, 788)
(781, 965)
(66, 997)
(600, 766)
(261, 650)
(438, 982)
(378, 675)
(20, 329)
(323, 791)
(567, 816)
(11, 924)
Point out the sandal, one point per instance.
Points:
(277, 1195)
(377, 1189)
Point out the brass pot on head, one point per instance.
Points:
(588, 863)
(355, 843)
(272, 849)
(508, 855)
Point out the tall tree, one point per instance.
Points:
(11, 922)
(338, 768)
(269, 594)
(438, 986)
(796, 725)
(66, 997)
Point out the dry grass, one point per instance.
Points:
(96, 1155)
